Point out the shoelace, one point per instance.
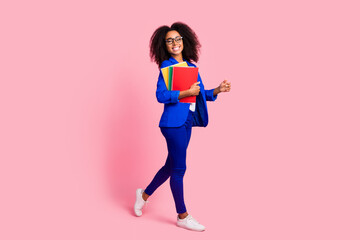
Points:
(193, 219)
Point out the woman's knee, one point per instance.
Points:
(178, 172)
(166, 169)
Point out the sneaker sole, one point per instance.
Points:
(136, 196)
(181, 226)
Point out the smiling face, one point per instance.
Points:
(175, 48)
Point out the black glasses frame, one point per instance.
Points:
(170, 41)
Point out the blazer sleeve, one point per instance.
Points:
(209, 94)
(163, 95)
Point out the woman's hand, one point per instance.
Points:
(195, 89)
(225, 86)
(192, 91)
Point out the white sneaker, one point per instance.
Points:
(139, 202)
(190, 223)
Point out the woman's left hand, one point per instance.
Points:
(225, 86)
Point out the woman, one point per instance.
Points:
(168, 46)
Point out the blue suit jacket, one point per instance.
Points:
(175, 112)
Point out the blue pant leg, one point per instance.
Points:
(188, 126)
(177, 141)
(161, 176)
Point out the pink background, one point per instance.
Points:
(79, 120)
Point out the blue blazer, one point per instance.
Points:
(175, 112)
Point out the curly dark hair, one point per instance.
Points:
(158, 52)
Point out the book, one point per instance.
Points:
(165, 73)
(182, 79)
(171, 76)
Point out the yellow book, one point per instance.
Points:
(165, 72)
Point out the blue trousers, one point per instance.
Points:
(177, 140)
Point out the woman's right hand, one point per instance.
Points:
(195, 89)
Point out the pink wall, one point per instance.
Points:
(79, 120)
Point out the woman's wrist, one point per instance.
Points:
(185, 93)
(216, 91)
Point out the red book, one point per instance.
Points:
(182, 79)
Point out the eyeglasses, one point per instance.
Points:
(170, 41)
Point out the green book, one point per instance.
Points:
(170, 77)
